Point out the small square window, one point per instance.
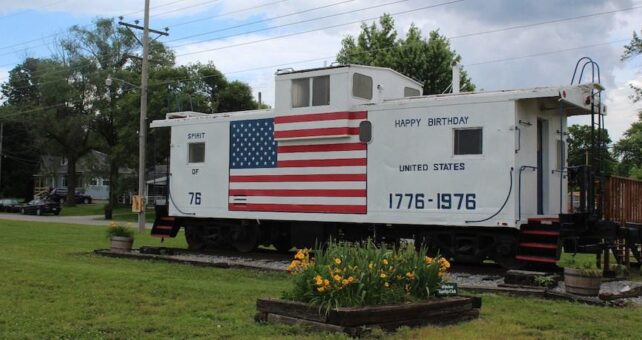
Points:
(361, 86)
(468, 141)
(196, 152)
(301, 92)
(321, 91)
(93, 181)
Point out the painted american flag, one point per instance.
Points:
(311, 163)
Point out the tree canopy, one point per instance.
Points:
(65, 105)
(629, 148)
(428, 60)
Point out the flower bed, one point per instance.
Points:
(352, 286)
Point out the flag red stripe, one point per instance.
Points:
(313, 117)
(322, 147)
(307, 208)
(299, 192)
(336, 131)
(305, 163)
(300, 178)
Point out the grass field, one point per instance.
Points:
(51, 286)
(118, 214)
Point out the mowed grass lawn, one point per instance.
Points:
(52, 286)
(118, 214)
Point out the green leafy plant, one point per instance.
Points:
(120, 230)
(358, 274)
(544, 280)
(583, 268)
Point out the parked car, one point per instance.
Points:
(60, 195)
(7, 204)
(41, 206)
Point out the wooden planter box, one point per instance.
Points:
(357, 320)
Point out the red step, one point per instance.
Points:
(538, 245)
(164, 227)
(536, 259)
(168, 218)
(544, 219)
(541, 232)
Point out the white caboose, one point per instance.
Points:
(353, 151)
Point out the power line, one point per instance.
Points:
(451, 37)
(329, 57)
(280, 17)
(381, 49)
(226, 13)
(317, 29)
(544, 22)
(208, 2)
(154, 7)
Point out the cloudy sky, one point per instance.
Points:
(504, 44)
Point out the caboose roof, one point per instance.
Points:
(286, 72)
(574, 96)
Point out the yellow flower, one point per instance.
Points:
(383, 275)
(345, 282)
(318, 280)
(350, 279)
(337, 260)
(326, 282)
(428, 260)
(337, 278)
(386, 285)
(370, 265)
(385, 262)
(299, 255)
(321, 289)
(410, 275)
(294, 265)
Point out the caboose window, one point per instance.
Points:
(301, 92)
(196, 152)
(410, 92)
(321, 91)
(468, 141)
(361, 86)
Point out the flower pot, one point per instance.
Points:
(119, 243)
(576, 282)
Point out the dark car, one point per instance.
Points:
(60, 195)
(41, 206)
(8, 204)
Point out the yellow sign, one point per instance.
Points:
(138, 203)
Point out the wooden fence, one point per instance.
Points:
(623, 200)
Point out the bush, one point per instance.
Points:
(360, 274)
(119, 230)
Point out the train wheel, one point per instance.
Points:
(194, 238)
(283, 244)
(245, 238)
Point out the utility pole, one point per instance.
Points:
(142, 131)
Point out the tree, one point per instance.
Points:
(633, 49)
(426, 60)
(629, 148)
(55, 95)
(629, 151)
(579, 147)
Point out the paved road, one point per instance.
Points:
(96, 220)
